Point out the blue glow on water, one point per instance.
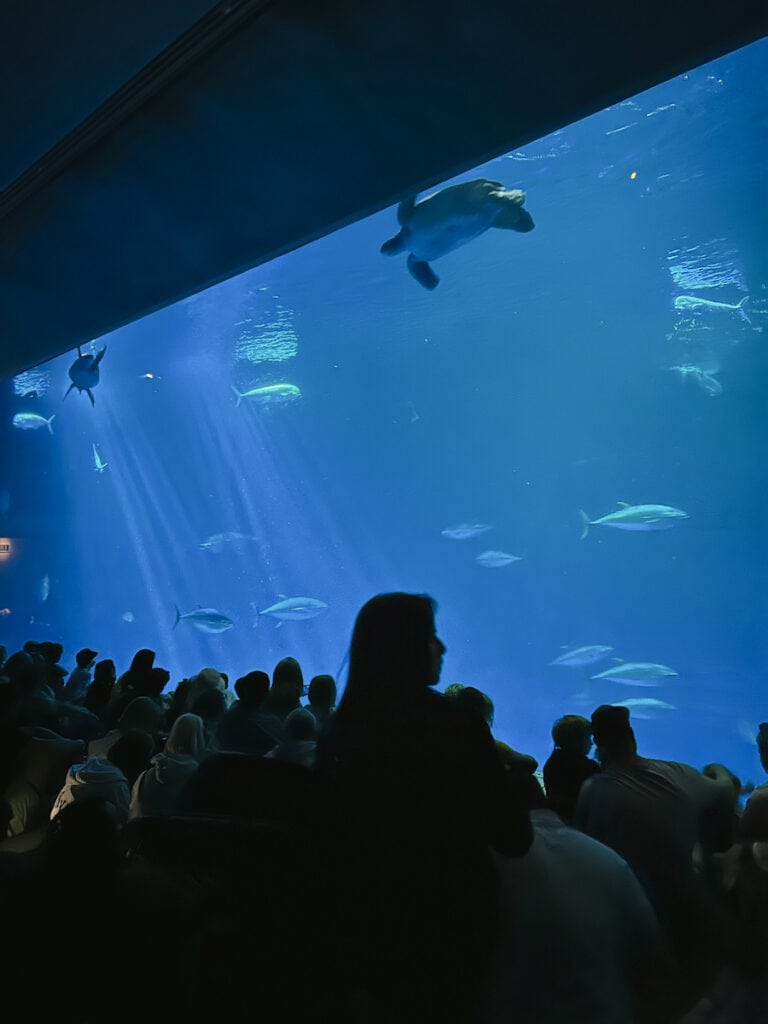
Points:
(536, 380)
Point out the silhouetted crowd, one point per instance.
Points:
(205, 852)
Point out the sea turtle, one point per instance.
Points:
(448, 219)
(84, 372)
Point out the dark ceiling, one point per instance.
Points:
(150, 150)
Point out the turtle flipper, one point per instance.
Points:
(405, 210)
(99, 356)
(68, 390)
(423, 273)
(90, 395)
(394, 245)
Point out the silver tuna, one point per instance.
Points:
(587, 655)
(206, 620)
(293, 609)
(496, 559)
(637, 673)
(645, 707)
(636, 517)
(270, 394)
(465, 531)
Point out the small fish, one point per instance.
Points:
(414, 418)
(496, 559)
(694, 303)
(98, 464)
(218, 542)
(706, 380)
(207, 620)
(577, 656)
(149, 376)
(465, 531)
(5, 501)
(635, 517)
(624, 128)
(128, 617)
(645, 707)
(44, 589)
(31, 421)
(660, 110)
(637, 673)
(293, 609)
(5, 611)
(270, 394)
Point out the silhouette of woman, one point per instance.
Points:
(422, 798)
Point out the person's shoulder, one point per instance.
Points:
(674, 768)
(689, 779)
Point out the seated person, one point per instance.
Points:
(157, 790)
(472, 700)
(299, 741)
(246, 728)
(569, 765)
(108, 779)
(322, 698)
(80, 677)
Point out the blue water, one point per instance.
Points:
(533, 382)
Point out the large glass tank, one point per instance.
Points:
(325, 428)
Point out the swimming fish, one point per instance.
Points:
(270, 394)
(635, 517)
(218, 542)
(5, 501)
(44, 589)
(31, 421)
(496, 559)
(694, 303)
(128, 617)
(710, 384)
(645, 707)
(98, 464)
(293, 609)
(207, 620)
(637, 673)
(465, 531)
(576, 656)
(707, 381)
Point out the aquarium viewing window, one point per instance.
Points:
(260, 459)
